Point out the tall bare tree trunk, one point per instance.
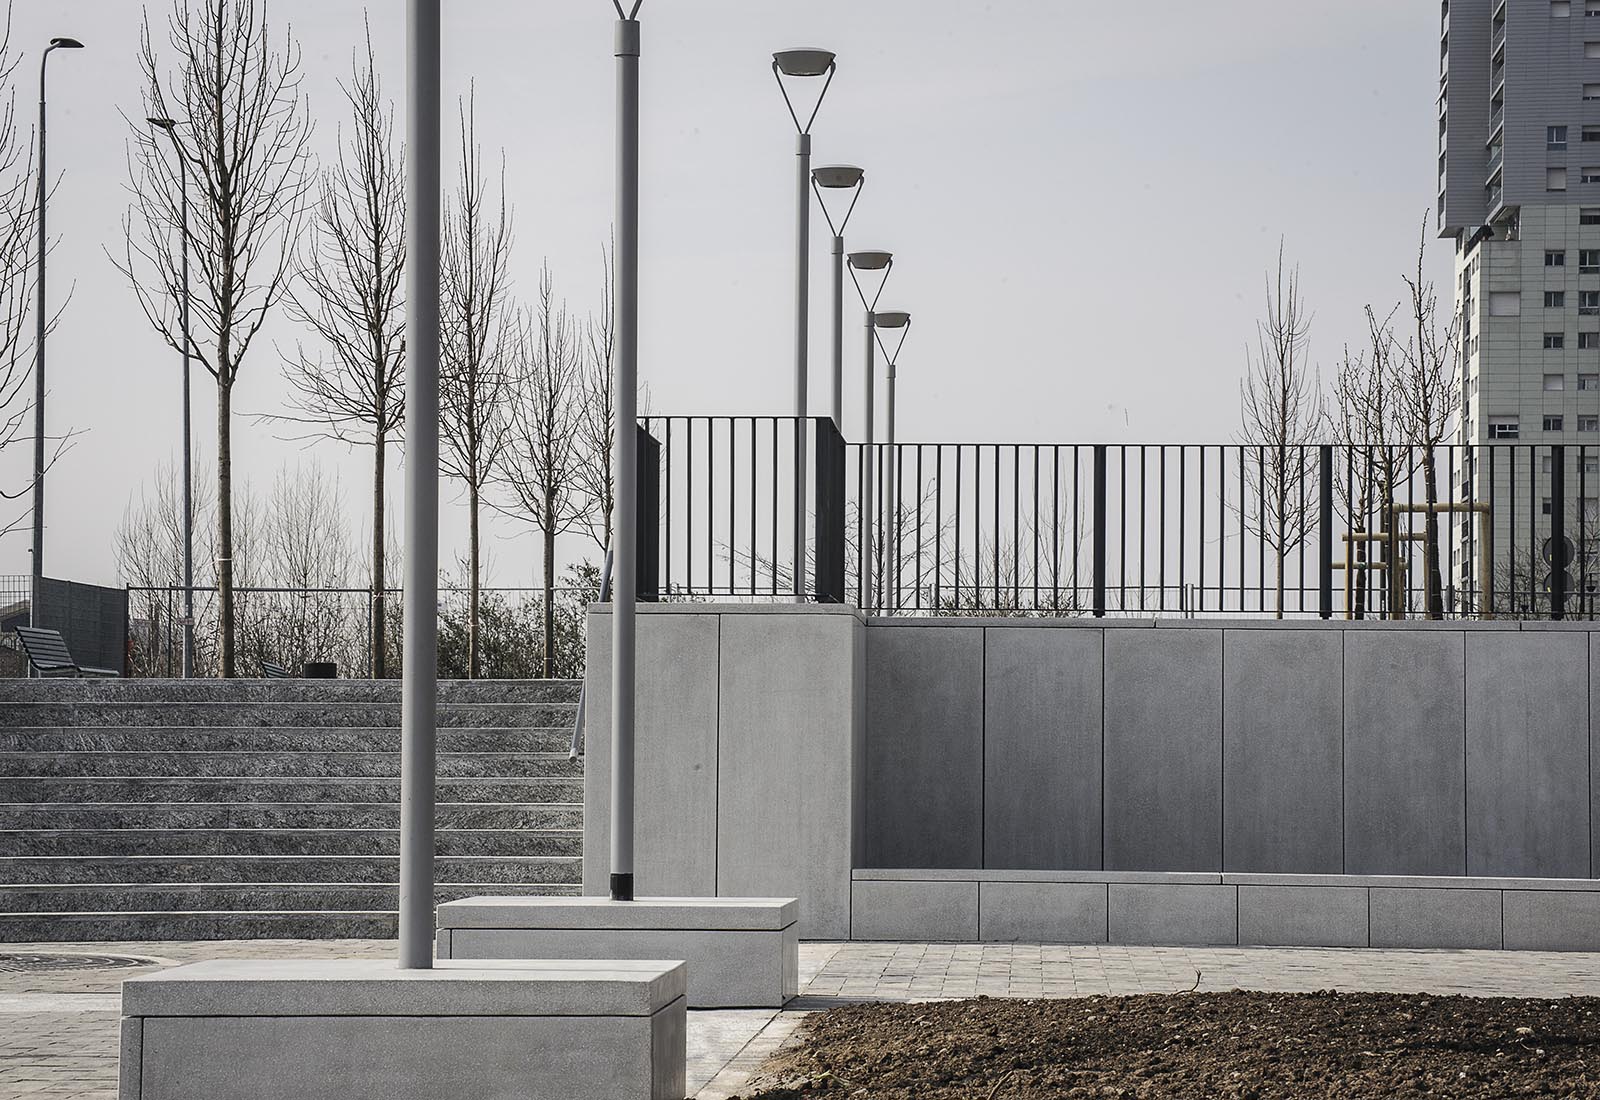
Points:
(1430, 546)
(379, 600)
(225, 667)
(549, 589)
(473, 569)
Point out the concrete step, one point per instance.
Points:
(258, 690)
(347, 765)
(283, 815)
(44, 871)
(273, 714)
(260, 897)
(197, 925)
(285, 842)
(273, 739)
(124, 789)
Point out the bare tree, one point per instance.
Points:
(349, 293)
(474, 384)
(239, 157)
(597, 405)
(542, 463)
(1282, 410)
(1430, 393)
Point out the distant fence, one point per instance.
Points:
(1117, 529)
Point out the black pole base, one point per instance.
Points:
(622, 887)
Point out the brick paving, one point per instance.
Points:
(58, 1029)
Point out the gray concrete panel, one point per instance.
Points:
(1527, 754)
(1405, 746)
(1303, 916)
(1434, 918)
(1042, 737)
(1283, 747)
(924, 748)
(787, 763)
(914, 911)
(1172, 914)
(130, 1048)
(1163, 750)
(675, 845)
(1041, 912)
(1538, 920)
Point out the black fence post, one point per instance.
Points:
(1325, 532)
(1558, 557)
(829, 564)
(1100, 531)
(648, 560)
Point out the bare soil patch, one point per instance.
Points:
(1243, 1045)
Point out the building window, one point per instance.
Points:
(1589, 215)
(1552, 423)
(1555, 258)
(1591, 465)
(1589, 381)
(1544, 506)
(1589, 423)
(1591, 7)
(1554, 383)
(1588, 303)
(1589, 175)
(1554, 341)
(1555, 138)
(1560, 9)
(1502, 427)
(1505, 303)
(1589, 261)
(1591, 49)
(1555, 299)
(1545, 465)
(1588, 341)
(1555, 179)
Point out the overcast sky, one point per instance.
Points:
(1082, 199)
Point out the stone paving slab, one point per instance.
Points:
(58, 1029)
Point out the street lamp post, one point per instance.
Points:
(877, 264)
(624, 520)
(171, 127)
(838, 177)
(38, 348)
(892, 319)
(802, 64)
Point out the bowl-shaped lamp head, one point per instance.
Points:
(892, 318)
(803, 62)
(870, 261)
(837, 175)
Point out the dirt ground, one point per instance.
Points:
(1250, 1046)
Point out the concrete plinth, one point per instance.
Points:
(742, 952)
(363, 1029)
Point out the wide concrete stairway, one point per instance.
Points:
(204, 809)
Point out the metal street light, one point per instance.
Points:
(802, 64)
(38, 349)
(624, 465)
(876, 264)
(171, 127)
(838, 177)
(893, 319)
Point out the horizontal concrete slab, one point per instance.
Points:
(1419, 882)
(1042, 912)
(907, 910)
(1541, 920)
(722, 914)
(935, 874)
(379, 987)
(1303, 916)
(1138, 913)
(1407, 917)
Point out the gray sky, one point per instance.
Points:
(1082, 200)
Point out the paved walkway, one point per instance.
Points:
(58, 1030)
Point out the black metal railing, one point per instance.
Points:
(1125, 529)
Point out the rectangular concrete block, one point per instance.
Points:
(675, 754)
(1042, 738)
(1146, 914)
(914, 911)
(1163, 750)
(1538, 920)
(924, 746)
(1405, 753)
(1303, 916)
(789, 750)
(1410, 917)
(1527, 754)
(1041, 912)
(130, 1056)
(1283, 751)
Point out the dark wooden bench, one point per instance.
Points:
(48, 654)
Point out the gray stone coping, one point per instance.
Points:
(764, 608)
(596, 913)
(378, 987)
(1194, 878)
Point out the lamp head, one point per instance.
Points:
(837, 176)
(870, 261)
(803, 62)
(65, 44)
(893, 318)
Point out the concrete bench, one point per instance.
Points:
(742, 952)
(363, 1029)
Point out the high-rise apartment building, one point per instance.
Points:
(1519, 194)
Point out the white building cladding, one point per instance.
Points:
(1519, 193)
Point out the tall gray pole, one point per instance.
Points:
(420, 668)
(838, 331)
(870, 473)
(38, 370)
(624, 523)
(802, 329)
(188, 474)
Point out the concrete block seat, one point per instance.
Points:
(363, 1029)
(742, 952)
